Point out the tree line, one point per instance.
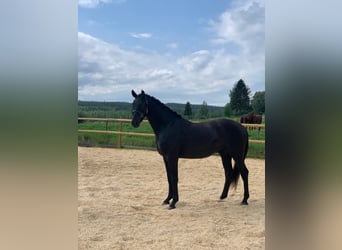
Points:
(123, 110)
(240, 103)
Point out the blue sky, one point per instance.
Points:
(177, 51)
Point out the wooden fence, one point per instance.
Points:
(121, 121)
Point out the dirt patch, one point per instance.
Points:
(120, 194)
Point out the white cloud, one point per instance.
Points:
(195, 61)
(155, 73)
(243, 25)
(109, 71)
(95, 90)
(140, 35)
(95, 3)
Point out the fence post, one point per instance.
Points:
(120, 135)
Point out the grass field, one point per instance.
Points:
(111, 140)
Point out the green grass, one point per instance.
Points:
(256, 151)
(111, 140)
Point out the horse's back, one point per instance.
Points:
(233, 136)
(196, 140)
(227, 127)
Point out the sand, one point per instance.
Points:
(121, 192)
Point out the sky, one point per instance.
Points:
(176, 51)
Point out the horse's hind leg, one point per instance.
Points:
(173, 168)
(244, 174)
(228, 170)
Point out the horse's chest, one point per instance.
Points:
(167, 143)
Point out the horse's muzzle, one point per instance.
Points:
(135, 124)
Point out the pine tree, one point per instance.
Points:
(203, 112)
(227, 110)
(188, 110)
(239, 98)
(258, 102)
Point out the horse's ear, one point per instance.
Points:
(142, 92)
(134, 94)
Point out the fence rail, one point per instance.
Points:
(121, 121)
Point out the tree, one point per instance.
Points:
(203, 112)
(227, 110)
(239, 98)
(258, 102)
(188, 110)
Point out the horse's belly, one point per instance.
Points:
(193, 155)
(199, 150)
(190, 144)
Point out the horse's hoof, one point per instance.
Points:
(222, 197)
(172, 207)
(244, 203)
(165, 203)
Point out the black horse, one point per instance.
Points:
(180, 138)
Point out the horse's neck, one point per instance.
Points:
(159, 116)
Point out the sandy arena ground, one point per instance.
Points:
(120, 192)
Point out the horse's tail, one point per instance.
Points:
(235, 176)
(237, 167)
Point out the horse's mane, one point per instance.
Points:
(163, 106)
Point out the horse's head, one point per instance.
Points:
(139, 108)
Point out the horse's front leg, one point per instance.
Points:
(171, 164)
(169, 196)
